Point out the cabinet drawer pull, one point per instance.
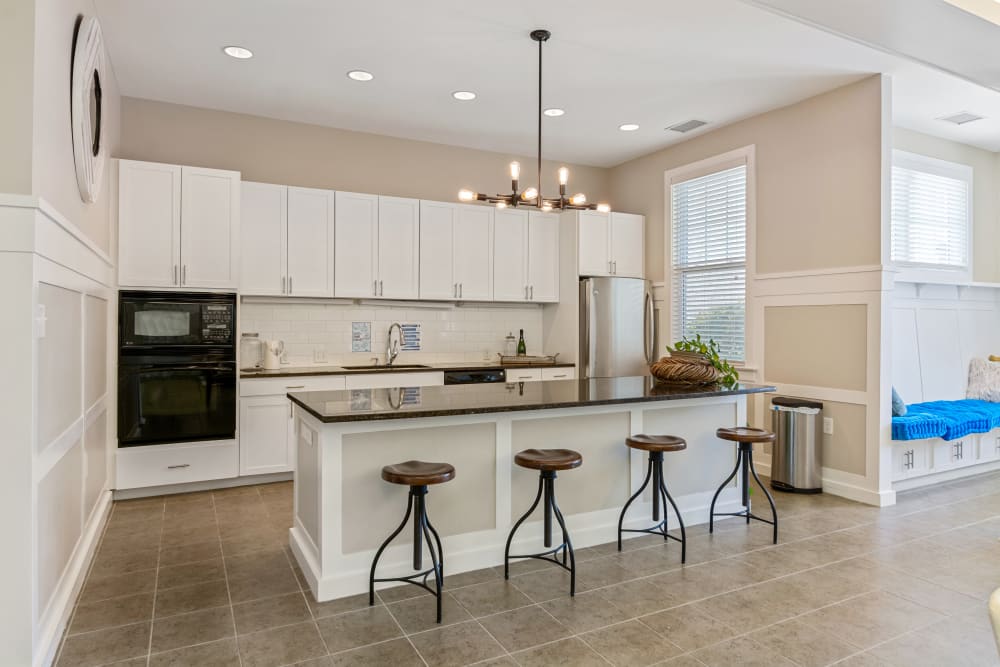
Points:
(460, 290)
(559, 376)
(295, 386)
(179, 465)
(175, 274)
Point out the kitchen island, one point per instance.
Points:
(343, 509)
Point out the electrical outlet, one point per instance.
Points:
(828, 425)
(319, 354)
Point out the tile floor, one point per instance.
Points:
(206, 579)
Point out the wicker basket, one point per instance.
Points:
(686, 368)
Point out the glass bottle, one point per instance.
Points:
(522, 349)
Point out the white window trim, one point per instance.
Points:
(745, 155)
(921, 273)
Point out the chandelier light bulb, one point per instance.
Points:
(563, 175)
(579, 199)
(546, 207)
(604, 208)
(529, 194)
(515, 170)
(501, 204)
(466, 195)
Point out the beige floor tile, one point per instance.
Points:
(113, 612)
(183, 599)
(401, 592)
(121, 564)
(338, 606)
(523, 628)
(358, 628)
(397, 652)
(688, 628)
(631, 643)
(277, 582)
(863, 660)
(804, 645)
(585, 611)
(281, 646)
(871, 618)
(650, 560)
(454, 581)
(490, 598)
(105, 646)
(195, 628)
(456, 645)
(640, 597)
(570, 652)
(190, 553)
(117, 585)
(186, 574)
(417, 614)
(546, 584)
(741, 651)
(188, 534)
(270, 612)
(744, 610)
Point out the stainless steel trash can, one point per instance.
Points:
(797, 454)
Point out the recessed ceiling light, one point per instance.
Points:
(628, 127)
(554, 112)
(464, 95)
(238, 52)
(360, 75)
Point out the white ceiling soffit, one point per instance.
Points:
(651, 62)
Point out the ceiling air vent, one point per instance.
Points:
(961, 118)
(687, 126)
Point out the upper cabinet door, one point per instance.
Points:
(149, 224)
(310, 242)
(595, 236)
(437, 277)
(628, 233)
(210, 228)
(355, 245)
(263, 230)
(510, 255)
(398, 248)
(543, 257)
(473, 234)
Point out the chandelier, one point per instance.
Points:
(531, 196)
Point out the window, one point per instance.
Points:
(931, 213)
(708, 213)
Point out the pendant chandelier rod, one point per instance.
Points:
(541, 36)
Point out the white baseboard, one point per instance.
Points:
(841, 488)
(54, 618)
(945, 476)
(170, 489)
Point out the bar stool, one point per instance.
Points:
(417, 475)
(656, 445)
(746, 437)
(547, 462)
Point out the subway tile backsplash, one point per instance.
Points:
(318, 330)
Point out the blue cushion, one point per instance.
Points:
(950, 420)
(898, 406)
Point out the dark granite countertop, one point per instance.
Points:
(292, 371)
(413, 402)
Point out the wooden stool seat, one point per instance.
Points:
(548, 459)
(418, 473)
(744, 434)
(656, 443)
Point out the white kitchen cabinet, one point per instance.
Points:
(524, 374)
(456, 252)
(177, 463)
(559, 373)
(398, 242)
(526, 256)
(264, 232)
(149, 224)
(611, 244)
(310, 242)
(543, 257)
(178, 226)
(355, 245)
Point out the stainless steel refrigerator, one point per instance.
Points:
(617, 327)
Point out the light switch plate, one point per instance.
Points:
(828, 425)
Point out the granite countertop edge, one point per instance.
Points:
(303, 371)
(744, 389)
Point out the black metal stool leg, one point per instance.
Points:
(621, 517)
(680, 521)
(437, 538)
(378, 554)
(770, 500)
(434, 560)
(711, 509)
(746, 450)
(567, 547)
(510, 537)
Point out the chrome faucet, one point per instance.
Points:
(392, 347)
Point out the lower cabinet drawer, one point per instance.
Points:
(283, 385)
(386, 379)
(523, 374)
(558, 373)
(156, 465)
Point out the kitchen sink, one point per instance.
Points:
(394, 367)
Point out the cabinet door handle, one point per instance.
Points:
(559, 376)
(609, 267)
(532, 297)
(175, 274)
(381, 289)
(184, 273)
(460, 289)
(289, 284)
(454, 290)
(525, 292)
(615, 265)
(180, 465)
(375, 288)
(282, 284)
(295, 386)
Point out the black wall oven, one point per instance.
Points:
(176, 367)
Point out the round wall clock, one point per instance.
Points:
(87, 117)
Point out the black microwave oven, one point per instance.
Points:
(176, 319)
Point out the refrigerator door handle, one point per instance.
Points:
(649, 330)
(588, 308)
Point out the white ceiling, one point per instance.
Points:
(651, 62)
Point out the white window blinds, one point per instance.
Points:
(708, 222)
(930, 212)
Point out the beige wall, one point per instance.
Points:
(818, 181)
(985, 190)
(16, 76)
(277, 151)
(53, 171)
(817, 346)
